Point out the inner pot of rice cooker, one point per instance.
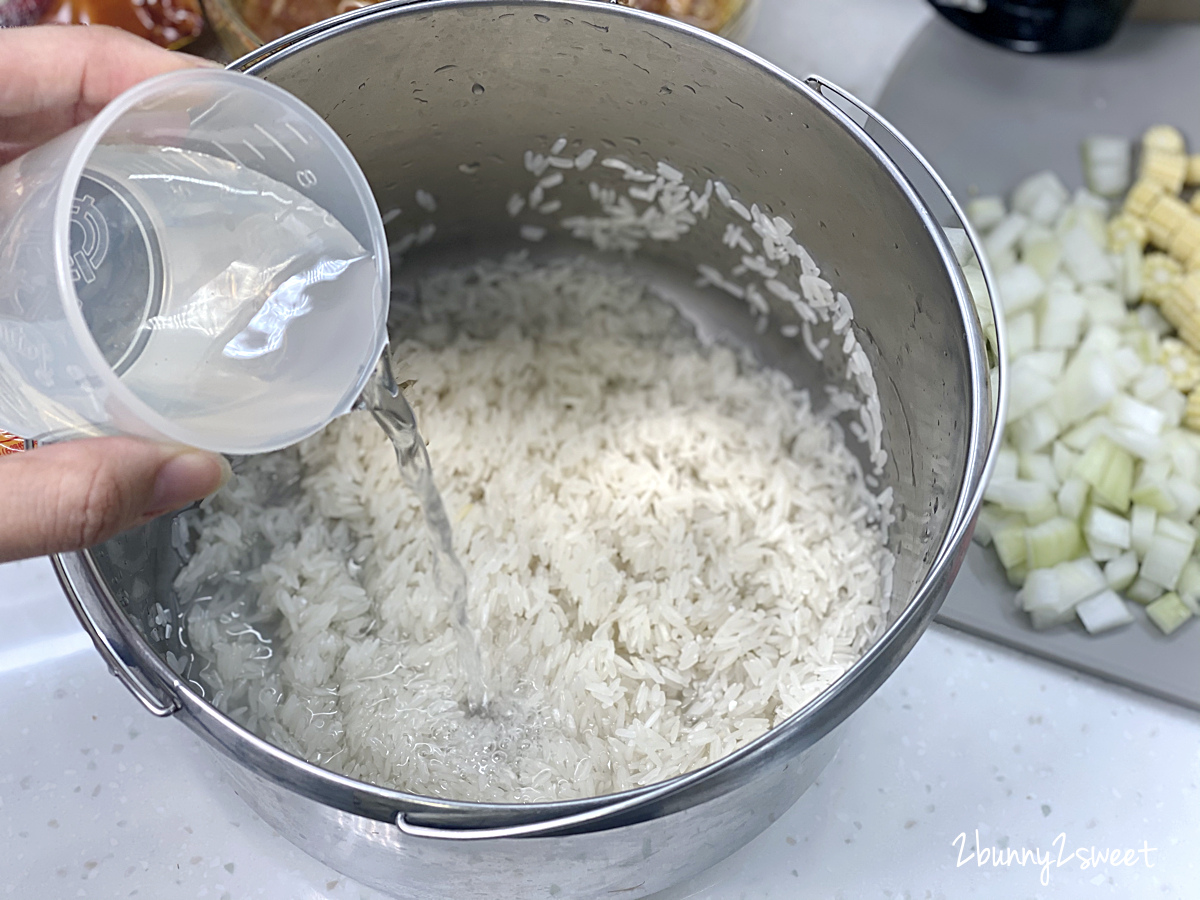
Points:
(448, 97)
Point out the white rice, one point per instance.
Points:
(669, 553)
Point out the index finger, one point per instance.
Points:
(52, 77)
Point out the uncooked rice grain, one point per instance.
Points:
(669, 553)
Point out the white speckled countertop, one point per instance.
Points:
(99, 799)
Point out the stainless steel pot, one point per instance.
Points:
(447, 96)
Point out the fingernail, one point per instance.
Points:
(186, 478)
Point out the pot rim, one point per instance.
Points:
(123, 647)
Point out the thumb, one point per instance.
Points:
(72, 495)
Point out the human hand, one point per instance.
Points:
(52, 77)
(75, 494)
(67, 496)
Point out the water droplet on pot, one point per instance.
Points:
(477, 88)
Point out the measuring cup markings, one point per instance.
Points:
(228, 153)
(254, 150)
(298, 135)
(270, 137)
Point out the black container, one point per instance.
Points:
(1038, 26)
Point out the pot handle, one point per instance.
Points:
(108, 641)
(592, 819)
(932, 189)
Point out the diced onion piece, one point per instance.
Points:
(1017, 494)
(990, 520)
(1142, 520)
(1041, 591)
(1034, 432)
(1087, 385)
(1174, 406)
(1185, 458)
(1102, 612)
(1188, 587)
(1152, 488)
(1041, 197)
(1009, 542)
(1003, 237)
(1106, 164)
(1100, 551)
(1007, 462)
(1039, 467)
(1051, 542)
(1103, 305)
(1120, 572)
(1047, 363)
(1080, 578)
(1019, 287)
(1050, 595)
(1042, 512)
(1127, 364)
(1102, 525)
(1152, 320)
(1165, 559)
(1168, 612)
(985, 212)
(1062, 319)
(1085, 258)
(1152, 382)
(1064, 460)
(1109, 470)
(1022, 335)
(1130, 413)
(1140, 444)
(1072, 498)
(1187, 497)
(1078, 439)
(1028, 388)
(1144, 591)
(1175, 530)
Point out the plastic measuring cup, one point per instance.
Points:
(202, 262)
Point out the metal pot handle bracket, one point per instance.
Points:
(547, 828)
(109, 636)
(933, 191)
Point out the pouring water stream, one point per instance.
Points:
(387, 403)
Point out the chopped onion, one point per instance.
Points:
(1144, 591)
(1102, 612)
(1168, 612)
(1035, 431)
(1109, 470)
(1107, 527)
(1003, 237)
(1019, 287)
(985, 212)
(1085, 258)
(1165, 559)
(1120, 572)
(1041, 197)
(1106, 164)
(1096, 467)
(1141, 528)
(1053, 541)
(1072, 497)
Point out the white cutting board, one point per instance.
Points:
(986, 118)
